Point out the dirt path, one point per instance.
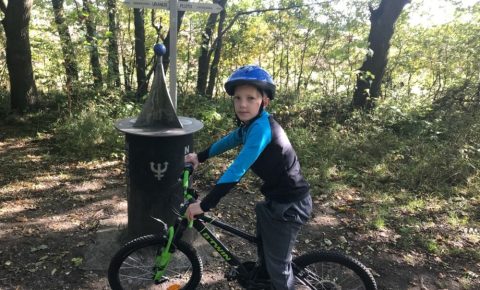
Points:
(60, 221)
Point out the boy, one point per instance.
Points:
(268, 152)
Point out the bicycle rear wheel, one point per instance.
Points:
(331, 271)
(132, 267)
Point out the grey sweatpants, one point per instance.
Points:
(277, 227)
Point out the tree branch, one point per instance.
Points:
(242, 13)
(3, 7)
(158, 28)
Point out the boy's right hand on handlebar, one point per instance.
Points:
(193, 210)
(193, 159)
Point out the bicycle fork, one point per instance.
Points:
(162, 259)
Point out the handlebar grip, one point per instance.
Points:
(189, 167)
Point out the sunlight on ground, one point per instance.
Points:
(10, 208)
(69, 220)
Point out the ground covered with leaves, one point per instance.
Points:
(54, 208)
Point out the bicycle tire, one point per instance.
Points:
(332, 270)
(132, 266)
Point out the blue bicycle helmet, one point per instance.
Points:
(251, 75)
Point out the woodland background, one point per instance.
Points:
(381, 103)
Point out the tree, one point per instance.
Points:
(71, 66)
(204, 57)
(212, 77)
(92, 40)
(19, 56)
(140, 62)
(127, 54)
(113, 75)
(369, 77)
(206, 51)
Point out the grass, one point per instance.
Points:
(418, 175)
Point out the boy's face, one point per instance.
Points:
(247, 101)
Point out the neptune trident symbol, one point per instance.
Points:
(159, 170)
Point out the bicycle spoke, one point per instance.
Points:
(135, 269)
(330, 276)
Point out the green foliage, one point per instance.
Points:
(89, 132)
(216, 115)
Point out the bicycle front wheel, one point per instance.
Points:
(132, 267)
(332, 271)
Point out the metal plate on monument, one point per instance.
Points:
(190, 125)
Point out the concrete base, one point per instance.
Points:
(109, 240)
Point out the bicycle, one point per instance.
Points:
(167, 262)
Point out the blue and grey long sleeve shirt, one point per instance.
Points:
(268, 152)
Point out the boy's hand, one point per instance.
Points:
(192, 158)
(193, 210)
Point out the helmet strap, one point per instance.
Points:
(260, 110)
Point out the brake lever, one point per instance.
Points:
(165, 227)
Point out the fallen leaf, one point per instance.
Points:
(41, 247)
(77, 261)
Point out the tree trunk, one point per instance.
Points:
(370, 75)
(188, 60)
(204, 58)
(302, 59)
(19, 56)
(92, 40)
(127, 60)
(127, 72)
(140, 62)
(3, 64)
(217, 53)
(71, 66)
(317, 59)
(113, 74)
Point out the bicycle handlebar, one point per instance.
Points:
(189, 194)
(189, 167)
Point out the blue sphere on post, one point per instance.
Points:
(159, 49)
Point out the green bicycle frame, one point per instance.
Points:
(162, 260)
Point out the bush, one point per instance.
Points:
(89, 132)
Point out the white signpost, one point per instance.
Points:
(174, 6)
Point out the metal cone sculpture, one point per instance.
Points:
(158, 110)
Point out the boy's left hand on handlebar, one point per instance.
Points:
(193, 210)
(193, 159)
